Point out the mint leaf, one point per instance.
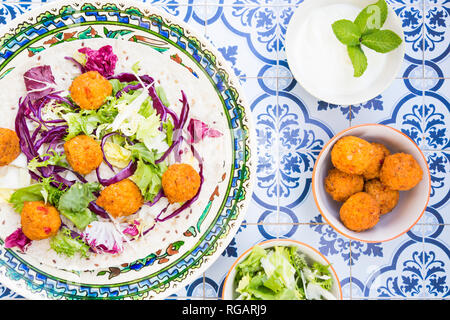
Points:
(382, 41)
(347, 32)
(372, 17)
(359, 60)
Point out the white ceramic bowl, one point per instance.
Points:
(329, 93)
(229, 286)
(411, 205)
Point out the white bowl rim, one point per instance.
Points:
(281, 242)
(363, 97)
(314, 184)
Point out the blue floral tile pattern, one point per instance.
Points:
(292, 127)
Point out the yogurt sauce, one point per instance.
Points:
(323, 61)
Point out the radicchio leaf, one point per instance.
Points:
(103, 237)
(198, 130)
(102, 60)
(17, 239)
(39, 82)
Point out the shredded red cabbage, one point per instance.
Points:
(178, 129)
(126, 172)
(160, 108)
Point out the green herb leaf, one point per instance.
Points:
(382, 41)
(359, 60)
(347, 32)
(372, 17)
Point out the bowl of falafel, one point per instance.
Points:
(371, 183)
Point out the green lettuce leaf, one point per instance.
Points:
(277, 264)
(63, 243)
(275, 274)
(74, 203)
(26, 194)
(53, 158)
(117, 155)
(78, 123)
(42, 191)
(148, 178)
(252, 263)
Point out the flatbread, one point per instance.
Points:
(173, 77)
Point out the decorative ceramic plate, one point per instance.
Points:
(175, 260)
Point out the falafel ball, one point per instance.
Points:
(378, 154)
(9, 146)
(341, 185)
(180, 182)
(89, 90)
(121, 199)
(360, 212)
(83, 153)
(351, 155)
(401, 172)
(39, 220)
(386, 197)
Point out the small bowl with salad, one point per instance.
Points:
(282, 269)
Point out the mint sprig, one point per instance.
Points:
(366, 31)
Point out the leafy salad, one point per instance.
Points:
(282, 273)
(137, 131)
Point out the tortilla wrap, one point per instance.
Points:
(173, 77)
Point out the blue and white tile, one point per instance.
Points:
(436, 264)
(437, 115)
(302, 137)
(330, 118)
(437, 36)
(8, 294)
(411, 14)
(11, 10)
(389, 270)
(439, 166)
(193, 14)
(261, 97)
(328, 241)
(401, 106)
(251, 35)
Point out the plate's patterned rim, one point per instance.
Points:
(56, 19)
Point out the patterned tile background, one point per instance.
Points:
(293, 126)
